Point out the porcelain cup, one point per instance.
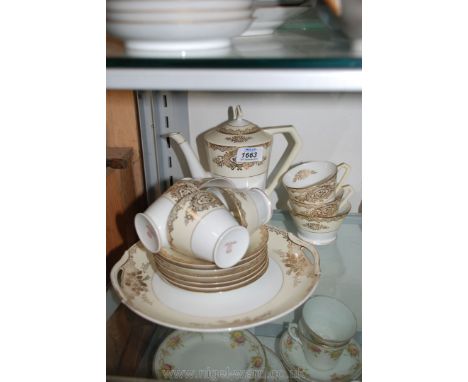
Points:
(200, 225)
(319, 230)
(325, 210)
(251, 207)
(315, 182)
(325, 329)
(151, 225)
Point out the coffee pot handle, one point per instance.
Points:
(292, 330)
(284, 164)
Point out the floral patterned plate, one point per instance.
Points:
(234, 356)
(347, 368)
(291, 278)
(274, 369)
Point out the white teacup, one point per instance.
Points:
(315, 182)
(325, 329)
(319, 230)
(200, 225)
(325, 210)
(151, 225)
(251, 207)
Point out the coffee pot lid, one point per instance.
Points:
(237, 125)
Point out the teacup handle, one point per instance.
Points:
(346, 167)
(347, 192)
(292, 330)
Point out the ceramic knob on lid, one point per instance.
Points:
(237, 125)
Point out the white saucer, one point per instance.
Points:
(295, 271)
(347, 368)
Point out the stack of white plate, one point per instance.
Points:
(270, 14)
(174, 25)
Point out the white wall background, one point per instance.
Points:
(328, 123)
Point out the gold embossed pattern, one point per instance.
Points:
(294, 260)
(180, 190)
(192, 205)
(136, 280)
(238, 138)
(302, 174)
(314, 194)
(238, 130)
(235, 205)
(324, 211)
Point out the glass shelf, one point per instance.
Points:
(305, 41)
(132, 341)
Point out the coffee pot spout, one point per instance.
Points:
(196, 169)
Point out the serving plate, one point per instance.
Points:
(291, 278)
(233, 356)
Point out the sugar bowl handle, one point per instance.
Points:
(292, 330)
(281, 168)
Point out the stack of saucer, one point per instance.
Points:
(168, 25)
(197, 275)
(318, 203)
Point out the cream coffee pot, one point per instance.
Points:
(240, 151)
